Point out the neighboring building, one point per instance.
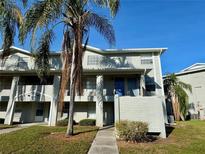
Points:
(195, 76)
(118, 84)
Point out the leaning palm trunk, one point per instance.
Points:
(173, 105)
(177, 108)
(75, 74)
(72, 93)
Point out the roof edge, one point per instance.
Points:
(104, 51)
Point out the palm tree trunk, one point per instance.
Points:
(69, 131)
(74, 74)
(177, 108)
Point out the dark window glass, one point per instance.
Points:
(150, 87)
(39, 112)
(34, 80)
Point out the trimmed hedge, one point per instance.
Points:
(87, 122)
(64, 122)
(135, 131)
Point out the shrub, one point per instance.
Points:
(135, 131)
(87, 122)
(64, 122)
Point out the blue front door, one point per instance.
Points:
(119, 86)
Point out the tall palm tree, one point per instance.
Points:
(176, 92)
(10, 18)
(77, 18)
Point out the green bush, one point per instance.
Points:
(87, 122)
(64, 122)
(135, 131)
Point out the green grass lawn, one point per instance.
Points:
(2, 126)
(43, 139)
(187, 138)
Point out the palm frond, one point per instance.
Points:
(182, 99)
(102, 25)
(185, 86)
(176, 88)
(40, 14)
(10, 18)
(43, 53)
(113, 5)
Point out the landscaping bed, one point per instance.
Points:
(187, 137)
(43, 139)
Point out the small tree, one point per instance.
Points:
(176, 93)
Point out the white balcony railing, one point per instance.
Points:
(35, 92)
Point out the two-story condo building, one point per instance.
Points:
(118, 85)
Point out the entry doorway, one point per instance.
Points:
(108, 113)
(120, 86)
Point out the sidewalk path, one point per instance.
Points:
(104, 142)
(20, 126)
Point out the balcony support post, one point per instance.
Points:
(99, 100)
(142, 84)
(11, 103)
(54, 102)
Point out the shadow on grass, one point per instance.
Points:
(77, 132)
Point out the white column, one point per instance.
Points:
(54, 102)
(99, 100)
(142, 84)
(117, 108)
(11, 103)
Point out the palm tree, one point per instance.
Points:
(176, 92)
(10, 19)
(77, 18)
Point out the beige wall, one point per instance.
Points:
(197, 81)
(146, 109)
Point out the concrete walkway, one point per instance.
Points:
(104, 142)
(20, 126)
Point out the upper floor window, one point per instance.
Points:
(22, 62)
(146, 59)
(93, 60)
(90, 83)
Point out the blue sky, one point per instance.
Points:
(178, 25)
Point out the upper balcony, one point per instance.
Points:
(34, 92)
(26, 63)
(96, 62)
(91, 62)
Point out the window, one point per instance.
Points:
(23, 62)
(39, 112)
(146, 59)
(150, 86)
(93, 60)
(133, 87)
(90, 83)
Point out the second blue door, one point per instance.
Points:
(119, 86)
